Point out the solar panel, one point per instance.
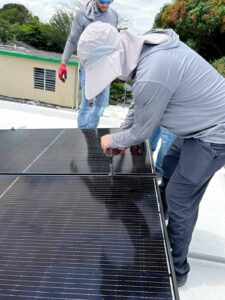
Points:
(82, 237)
(67, 151)
(76, 151)
(5, 183)
(19, 148)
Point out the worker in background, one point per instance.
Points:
(166, 137)
(90, 111)
(176, 88)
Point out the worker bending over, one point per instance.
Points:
(176, 88)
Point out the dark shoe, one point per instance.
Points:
(181, 281)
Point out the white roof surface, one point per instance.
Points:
(207, 279)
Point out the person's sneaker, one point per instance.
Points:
(181, 281)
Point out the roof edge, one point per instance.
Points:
(36, 57)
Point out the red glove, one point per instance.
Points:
(62, 72)
(137, 149)
(113, 151)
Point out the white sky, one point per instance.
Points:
(140, 12)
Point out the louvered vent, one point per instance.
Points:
(39, 78)
(50, 80)
(44, 79)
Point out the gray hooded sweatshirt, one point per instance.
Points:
(86, 15)
(176, 88)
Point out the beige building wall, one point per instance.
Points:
(17, 80)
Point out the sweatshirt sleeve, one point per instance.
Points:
(150, 102)
(129, 118)
(71, 44)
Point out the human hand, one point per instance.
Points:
(109, 151)
(105, 142)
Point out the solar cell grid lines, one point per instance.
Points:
(18, 148)
(99, 244)
(70, 231)
(63, 151)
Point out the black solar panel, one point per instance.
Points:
(5, 183)
(82, 237)
(68, 151)
(77, 151)
(19, 148)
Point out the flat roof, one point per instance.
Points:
(36, 54)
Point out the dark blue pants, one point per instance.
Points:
(187, 169)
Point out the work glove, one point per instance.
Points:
(113, 151)
(62, 72)
(137, 149)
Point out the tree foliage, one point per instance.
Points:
(18, 23)
(4, 30)
(60, 25)
(15, 13)
(201, 24)
(219, 64)
(116, 93)
(12, 18)
(34, 33)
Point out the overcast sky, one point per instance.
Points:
(140, 12)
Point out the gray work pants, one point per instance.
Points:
(187, 169)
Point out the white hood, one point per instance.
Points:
(107, 54)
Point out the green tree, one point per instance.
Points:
(4, 30)
(200, 24)
(15, 13)
(34, 33)
(116, 93)
(60, 25)
(8, 32)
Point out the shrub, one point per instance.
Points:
(219, 64)
(116, 93)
